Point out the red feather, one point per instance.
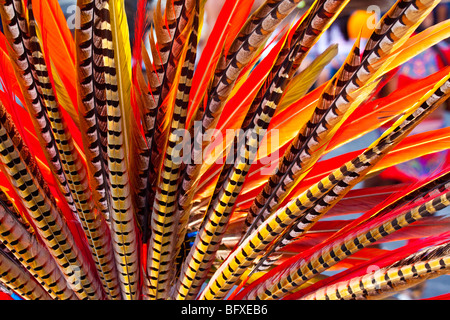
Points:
(230, 20)
(59, 43)
(5, 296)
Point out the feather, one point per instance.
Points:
(282, 49)
(363, 199)
(19, 280)
(231, 17)
(168, 227)
(303, 224)
(437, 202)
(167, 52)
(227, 71)
(217, 215)
(242, 104)
(33, 256)
(60, 152)
(11, 93)
(75, 173)
(374, 114)
(324, 230)
(352, 92)
(426, 264)
(410, 148)
(302, 82)
(10, 84)
(22, 41)
(322, 257)
(239, 54)
(119, 178)
(415, 192)
(117, 73)
(59, 48)
(34, 193)
(295, 161)
(381, 261)
(92, 101)
(140, 176)
(140, 26)
(399, 98)
(261, 118)
(315, 201)
(8, 200)
(307, 31)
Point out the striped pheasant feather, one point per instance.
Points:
(117, 73)
(431, 103)
(307, 268)
(324, 203)
(167, 225)
(93, 223)
(92, 100)
(105, 148)
(172, 29)
(20, 168)
(406, 273)
(33, 256)
(19, 280)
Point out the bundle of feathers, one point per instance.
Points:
(119, 178)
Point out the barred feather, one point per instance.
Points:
(168, 226)
(259, 123)
(339, 250)
(310, 142)
(17, 279)
(92, 100)
(33, 256)
(435, 98)
(290, 169)
(170, 36)
(117, 73)
(411, 271)
(75, 174)
(24, 175)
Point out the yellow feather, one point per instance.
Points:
(122, 57)
(301, 83)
